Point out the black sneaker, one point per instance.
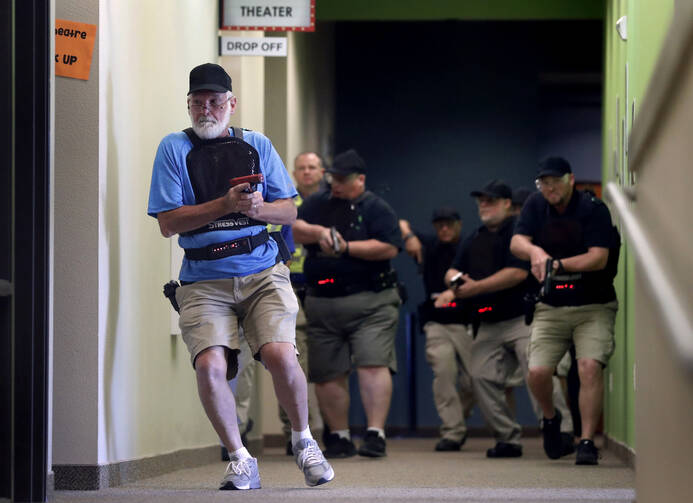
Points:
(338, 447)
(504, 450)
(445, 444)
(567, 444)
(551, 430)
(587, 453)
(373, 445)
(289, 448)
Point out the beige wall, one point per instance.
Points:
(123, 387)
(310, 90)
(76, 251)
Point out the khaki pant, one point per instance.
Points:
(496, 352)
(448, 352)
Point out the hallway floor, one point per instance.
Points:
(412, 472)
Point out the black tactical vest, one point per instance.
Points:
(211, 164)
(486, 256)
(563, 237)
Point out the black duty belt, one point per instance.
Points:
(339, 287)
(227, 248)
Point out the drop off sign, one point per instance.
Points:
(253, 46)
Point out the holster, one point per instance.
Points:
(284, 252)
(530, 301)
(170, 293)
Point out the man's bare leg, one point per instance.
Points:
(375, 385)
(540, 382)
(591, 393)
(216, 396)
(288, 380)
(333, 397)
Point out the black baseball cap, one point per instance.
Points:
(553, 166)
(347, 163)
(209, 77)
(520, 195)
(495, 188)
(445, 213)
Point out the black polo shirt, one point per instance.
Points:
(366, 217)
(482, 254)
(585, 223)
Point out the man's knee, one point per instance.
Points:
(212, 365)
(540, 374)
(276, 355)
(589, 370)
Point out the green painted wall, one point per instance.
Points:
(429, 10)
(628, 68)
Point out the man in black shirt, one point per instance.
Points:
(573, 231)
(352, 304)
(492, 286)
(448, 343)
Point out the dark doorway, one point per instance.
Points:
(439, 108)
(24, 244)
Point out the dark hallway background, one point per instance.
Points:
(437, 109)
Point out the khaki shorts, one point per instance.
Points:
(263, 305)
(590, 327)
(356, 329)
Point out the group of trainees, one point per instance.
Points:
(505, 304)
(226, 194)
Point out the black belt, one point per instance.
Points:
(339, 287)
(339, 291)
(227, 248)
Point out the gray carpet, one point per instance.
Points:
(411, 472)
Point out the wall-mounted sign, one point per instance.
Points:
(241, 46)
(268, 15)
(74, 45)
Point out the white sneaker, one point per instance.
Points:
(241, 474)
(312, 463)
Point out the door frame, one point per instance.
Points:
(28, 86)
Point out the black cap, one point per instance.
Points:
(520, 195)
(347, 163)
(445, 213)
(553, 166)
(494, 188)
(209, 77)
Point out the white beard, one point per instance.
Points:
(208, 128)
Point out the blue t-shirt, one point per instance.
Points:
(171, 189)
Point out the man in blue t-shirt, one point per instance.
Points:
(231, 277)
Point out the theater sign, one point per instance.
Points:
(268, 15)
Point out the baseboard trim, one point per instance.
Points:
(277, 440)
(624, 452)
(95, 477)
(50, 486)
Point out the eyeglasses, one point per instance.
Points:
(340, 179)
(209, 105)
(550, 181)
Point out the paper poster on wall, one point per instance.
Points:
(74, 45)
